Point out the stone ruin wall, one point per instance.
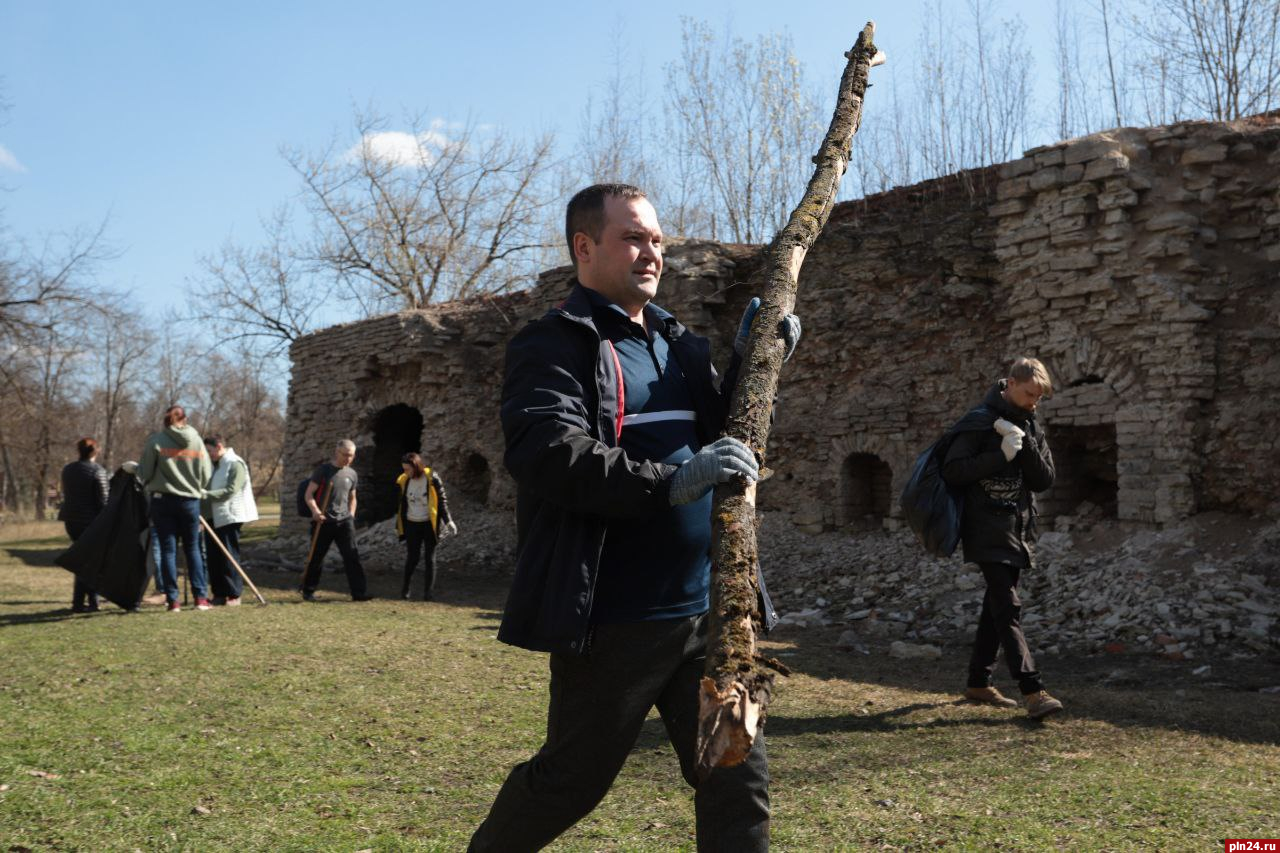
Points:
(1142, 265)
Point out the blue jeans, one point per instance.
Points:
(177, 518)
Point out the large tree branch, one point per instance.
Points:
(738, 681)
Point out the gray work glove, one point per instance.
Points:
(790, 330)
(450, 529)
(716, 463)
(1012, 442)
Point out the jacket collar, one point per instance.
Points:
(580, 303)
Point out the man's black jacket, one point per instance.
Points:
(559, 418)
(998, 501)
(84, 494)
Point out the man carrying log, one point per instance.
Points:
(611, 412)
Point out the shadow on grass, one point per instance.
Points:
(451, 588)
(1157, 695)
(887, 721)
(61, 614)
(35, 556)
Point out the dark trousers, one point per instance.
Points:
(223, 578)
(178, 519)
(420, 539)
(598, 704)
(1000, 626)
(83, 596)
(344, 534)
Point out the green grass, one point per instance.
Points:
(390, 725)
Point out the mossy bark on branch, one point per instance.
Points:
(738, 681)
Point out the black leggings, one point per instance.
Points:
(420, 540)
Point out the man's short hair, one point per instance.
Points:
(213, 440)
(86, 447)
(1024, 369)
(585, 212)
(347, 445)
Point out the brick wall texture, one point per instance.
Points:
(1141, 265)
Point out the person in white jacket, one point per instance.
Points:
(228, 505)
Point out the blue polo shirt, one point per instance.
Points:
(658, 567)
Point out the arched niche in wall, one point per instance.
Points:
(1098, 463)
(396, 430)
(474, 479)
(866, 491)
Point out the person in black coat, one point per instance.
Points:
(999, 470)
(84, 494)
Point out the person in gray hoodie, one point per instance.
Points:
(175, 471)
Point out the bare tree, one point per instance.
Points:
(122, 345)
(973, 99)
(245, 409)
(1077, 98)
(1111, 64)
(740, 111)
(612, 140)
(262, 296)
(57, 275)
(403, 219)
(44, 298)
(53, 350)
(1217, 59)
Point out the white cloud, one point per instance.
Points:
(400, 148)
(10, 162)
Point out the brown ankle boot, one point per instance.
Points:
(1041, 705)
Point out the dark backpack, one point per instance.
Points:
(303, 510)
(931, 507)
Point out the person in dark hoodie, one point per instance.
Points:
(422, 520)
(84, 494)
(175, 471)
(999, 470)
(611, 412)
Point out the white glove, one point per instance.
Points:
(449, 529)
(1005, 427)
(1012, 442)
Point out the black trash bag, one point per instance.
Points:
(933, 509)
(111, 555)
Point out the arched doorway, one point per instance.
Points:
(397, 430)
(866, 485)
(476, 479)
(1086, 479)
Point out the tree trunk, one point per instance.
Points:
(738, 680)
(11, 495)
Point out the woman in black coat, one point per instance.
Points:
(84, 494)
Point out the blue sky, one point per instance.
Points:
(169, 118)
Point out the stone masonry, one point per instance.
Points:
(1142, 265)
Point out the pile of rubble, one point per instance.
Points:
(1179, 591)
(485, 544)
(1210, 583)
